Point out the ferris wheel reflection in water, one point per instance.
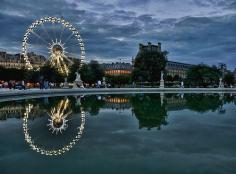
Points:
(58, 118)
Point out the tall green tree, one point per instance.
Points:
(73, 69)
(51, 73)
(169, 78)
(119, 80)
(92, 72)
(177, 78)
(203, 75)
(7, 74)
(32, 76)
(148, 66)
(229, 79)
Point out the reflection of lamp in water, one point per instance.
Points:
(117, 102)
(51, 152)
(58, 115)
(162, 95)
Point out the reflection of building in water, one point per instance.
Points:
(152, 112)
(175, 103)
(17, 111)
(152, 120)
(42, 106)
(11, 111)
(117, 103)
(147, 108)
(149, 111)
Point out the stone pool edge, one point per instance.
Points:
(38, 92)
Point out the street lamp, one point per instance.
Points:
(119, 73)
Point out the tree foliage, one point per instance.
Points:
(32, 76)
(119, 80)
(92, 105)
(203, 75)
(51, 73)
(149, 110)
(7, 74)
(148, 66)
(73, 69)
(229, 79)
(92, 72)
(203, 102)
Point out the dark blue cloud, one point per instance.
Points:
(112, 29)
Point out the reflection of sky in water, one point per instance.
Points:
(192, 141)
(51, 140)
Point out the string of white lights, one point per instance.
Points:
(51, 20)
(51, 152)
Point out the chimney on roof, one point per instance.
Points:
(140, 46)
(149, 46)
(159, 46)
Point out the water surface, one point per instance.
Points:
(135, 133)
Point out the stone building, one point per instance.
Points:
(117, 68)
(234, 74)
(172, 68)
(16, 60)
(149, 47)
(36, 60)
(177, 68)
(11, 60)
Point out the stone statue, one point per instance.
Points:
(162, 75)
(65, 84)
(162, 80)
(221, 84)
(182, 84)
(78, 82)
(77, 79)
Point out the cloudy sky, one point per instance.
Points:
(193, 31)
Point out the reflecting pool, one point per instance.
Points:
(129, 133)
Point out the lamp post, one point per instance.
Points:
(104, 82)
(222, 68)
(119, 73)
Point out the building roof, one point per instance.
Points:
(117, 66)
(170, 64)
(34, 58)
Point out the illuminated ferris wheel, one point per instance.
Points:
(55, 39)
